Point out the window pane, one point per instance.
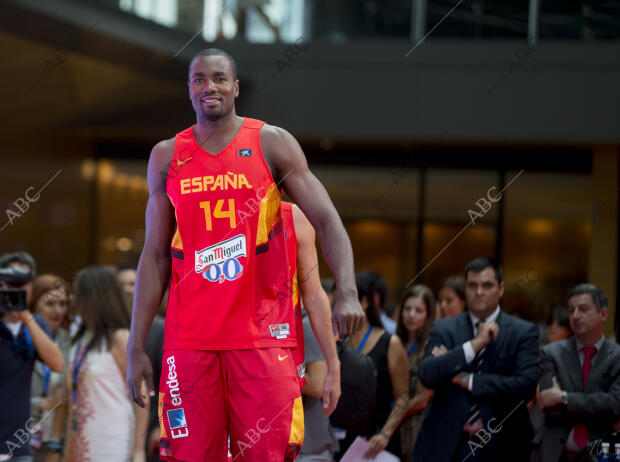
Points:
(452, 193)
(547, 233)
(377, 193)
(122, 193)
(445, 254)
(54, 225)
(385, 247)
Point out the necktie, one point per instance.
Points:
(474, 411)
(581, 432)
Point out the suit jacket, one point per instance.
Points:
(597, 407)
(507, 380)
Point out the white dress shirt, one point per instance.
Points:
(470, 354)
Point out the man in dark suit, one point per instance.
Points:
(580, 379)
(483, 366)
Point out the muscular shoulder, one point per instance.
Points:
(159, 164)
(281, 150)
(163, 151)
(274, 138)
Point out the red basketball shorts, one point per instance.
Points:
(251, 395)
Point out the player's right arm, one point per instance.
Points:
(316, 304)
(153, 270)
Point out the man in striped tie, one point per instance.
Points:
(483, 367)
(580, 380)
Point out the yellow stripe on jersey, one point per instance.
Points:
(177, 243)
(268, 214)
(295, 291)
(160, 411)
(297, 423)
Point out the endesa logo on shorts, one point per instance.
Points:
(220, 262)
(176, 421)
(176, 417)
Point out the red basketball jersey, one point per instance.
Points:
(291, 251)
(228, 251)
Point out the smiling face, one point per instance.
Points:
(450, 304)
(212, 87)
(52, 305)
(483, 292)
(586, 319)
(414, 315)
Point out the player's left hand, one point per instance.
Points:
(347, 317)
(331, 390)
(377, 444)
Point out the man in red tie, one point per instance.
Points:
(580, 380)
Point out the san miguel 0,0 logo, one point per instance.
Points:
(220, 262)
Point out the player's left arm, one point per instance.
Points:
(317, 305)
(290, 168)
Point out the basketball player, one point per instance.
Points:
(214, 223)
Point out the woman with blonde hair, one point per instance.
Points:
(417, 314)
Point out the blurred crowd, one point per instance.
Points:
(456, 377)
(60, 399)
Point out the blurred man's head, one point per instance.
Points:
(587, 311)
(126, 276)
(378, 288)
(484, 286)
(558, 325)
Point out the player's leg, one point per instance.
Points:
(192, 407)
(264, 401)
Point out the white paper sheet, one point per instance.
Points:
(356, 452)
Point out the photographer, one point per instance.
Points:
(24, 337)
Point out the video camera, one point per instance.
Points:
(12, 296)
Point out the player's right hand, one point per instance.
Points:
(138, 368)
(348, 317)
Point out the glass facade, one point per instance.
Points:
(287, 20)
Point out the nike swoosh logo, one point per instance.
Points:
(282, 358)
(181, 162)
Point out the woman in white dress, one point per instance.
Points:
(102, 421)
